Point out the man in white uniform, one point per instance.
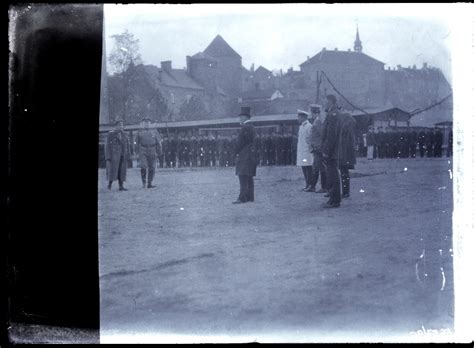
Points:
(304, 157)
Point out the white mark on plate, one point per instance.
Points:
(442, 188)
(181, 208)
(405, 169)
(444, 279)
(361, 191)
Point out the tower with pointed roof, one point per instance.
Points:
(218, 67)
(357, 42)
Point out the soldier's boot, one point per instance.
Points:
(151, 174)
(109, 186)
(143, 174)
(121, 187)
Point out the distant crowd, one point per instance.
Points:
(406, 143)
(280, 149)
(218, 151)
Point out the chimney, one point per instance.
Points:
(252, 68)
(349, 50)
(307, 57)
(188, 65)
(324, 48)
(414, 66)
(166, 65)
(335, 49)
(425, 65)
(399, 67)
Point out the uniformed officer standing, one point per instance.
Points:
(316, 147)
(117, 153)
(304, 155)
(347, 153)
(148, 147)
(330, 150)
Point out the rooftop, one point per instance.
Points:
(220, 48)
(341, 57)
(172, 78)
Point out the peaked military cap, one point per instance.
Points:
(315, 108)
(302, 113)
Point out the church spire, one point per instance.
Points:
(357, 42)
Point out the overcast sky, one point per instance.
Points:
(282, 36)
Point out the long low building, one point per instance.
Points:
(378, 117)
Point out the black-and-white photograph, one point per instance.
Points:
(276, 173)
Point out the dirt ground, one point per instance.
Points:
(180, 262)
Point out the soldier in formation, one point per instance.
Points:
(438, 143)
(449, 150)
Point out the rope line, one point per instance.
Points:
(343, 97)
(412, 113)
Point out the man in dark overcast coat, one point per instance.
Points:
(246, 159)
(330, 151)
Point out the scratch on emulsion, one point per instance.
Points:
(444, 279)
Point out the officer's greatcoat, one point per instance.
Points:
(117, 154)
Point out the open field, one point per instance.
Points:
(181, 259)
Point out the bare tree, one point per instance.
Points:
(123, 59)
(125, 53)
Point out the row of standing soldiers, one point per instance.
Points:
(406, 144)
(273, 149)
